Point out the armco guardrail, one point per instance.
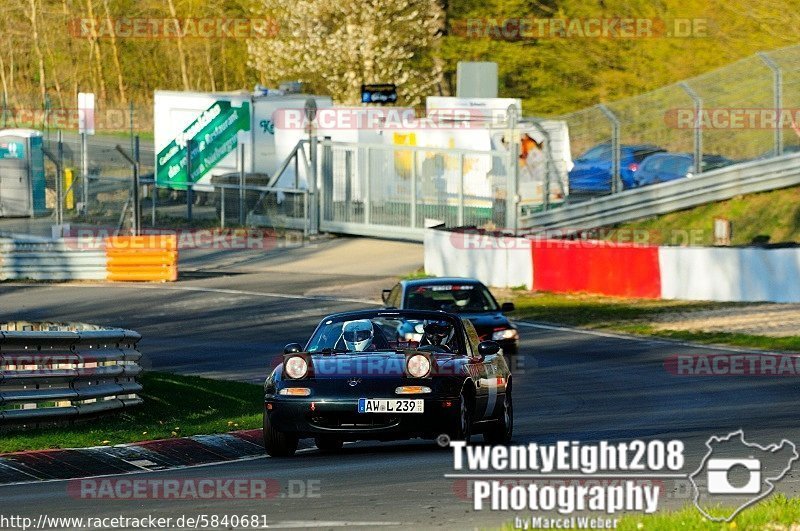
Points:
(151, 258)
(717, 185)
(56, 372)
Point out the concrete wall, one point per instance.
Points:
(687, 273)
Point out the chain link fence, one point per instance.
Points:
(744, 111)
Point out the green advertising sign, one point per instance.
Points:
(212, 136)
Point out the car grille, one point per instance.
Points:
(353, 421)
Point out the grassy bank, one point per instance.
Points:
(173, 406)
(772, 217)
(777, 512)
(632, 316)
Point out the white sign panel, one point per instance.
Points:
(86, 113)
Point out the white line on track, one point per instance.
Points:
(643, 339)
(228, 291)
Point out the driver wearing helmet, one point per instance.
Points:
(437, 336)
(462, 299)
(357, 335)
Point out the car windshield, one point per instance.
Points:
(602, 151)
(384, 334)
(454, 298)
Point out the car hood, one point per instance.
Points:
(486, 322)
(371, 364)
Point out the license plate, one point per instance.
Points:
(390, 405)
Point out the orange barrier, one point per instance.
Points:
(148, 258)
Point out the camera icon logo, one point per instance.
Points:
(719, 481)
(735, 474)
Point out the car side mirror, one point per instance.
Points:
(487, 348)
(385, 295)
(292, 348)
(507, 307)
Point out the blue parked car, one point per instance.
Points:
(592, 171)
(663, 167)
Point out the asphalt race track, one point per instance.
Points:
(569, 385)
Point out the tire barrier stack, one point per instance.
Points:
(150, 258)
(52, 372)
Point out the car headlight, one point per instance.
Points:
(296, 367)
(508, 333)
(418, 366)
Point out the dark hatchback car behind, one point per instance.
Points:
(466, 297)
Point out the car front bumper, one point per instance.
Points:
(310, 417)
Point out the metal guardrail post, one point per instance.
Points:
(133, 161)
(413, 209)
(367, 187)
(242, 218)
(137, 206)
(777, 97)
(460, 189)
(55, 160)
(616, 157)
(222, 208)
(189, 188)
(85, 172)
(698, 126)
(60, 183)
(326, 189)
(512, 182)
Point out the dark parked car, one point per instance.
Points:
(663, 167)
(466, 297)
(592, 171)
(358, 378)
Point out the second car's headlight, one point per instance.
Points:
(508, 333)
(296, 367)
(418, 366)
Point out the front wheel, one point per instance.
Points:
(278, 443)
(502, 430)
(461, 428)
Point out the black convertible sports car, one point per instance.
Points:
(359, 377)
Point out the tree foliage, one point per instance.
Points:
(336, 46)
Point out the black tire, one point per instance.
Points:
(461, 428)
(502, 431)
(328, 445)
(278, 443)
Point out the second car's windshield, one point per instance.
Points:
(459, 298)
(378, 334)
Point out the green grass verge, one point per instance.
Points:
(766, 217)
(173, 406)
(633, 316)
(776, 513)
(419, 273)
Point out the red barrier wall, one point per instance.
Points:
(600, 267)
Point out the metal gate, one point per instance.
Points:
(396, 191)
